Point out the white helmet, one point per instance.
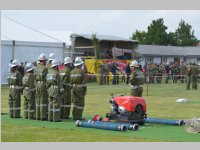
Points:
(14, 63)
(78, 61)
(54, 63)
(29, 67)
(67, 60)
(42, 57)
(51, 56)
(134, 63)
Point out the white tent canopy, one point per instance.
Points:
(26, 51)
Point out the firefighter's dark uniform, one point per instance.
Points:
(194, 75)
(14, 99)
(78, 81)
(53, 85)
(65, 93)
(188, 77)
(137, 80)
(29, 95)
(41, 96)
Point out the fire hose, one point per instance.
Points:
(164, 121)
(101, 125)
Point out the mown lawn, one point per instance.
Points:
(160, 103)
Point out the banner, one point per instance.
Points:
(93, 65)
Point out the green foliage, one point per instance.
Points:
(140, 36)
(185, 35)
(156, 34)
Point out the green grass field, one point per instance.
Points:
(160, 103)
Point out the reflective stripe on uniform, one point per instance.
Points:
(67, 84)
(78, 107)
(31, 110)
(65, 105)
(79, 85)
(15, 87)
(50, 78)
(18, 108)
(139, 77)
(62, 89)
(135, 87)
(75, 75)
(39, 81)
(42, 105)
(54, 110)
(62, 74)
(12, 77)
(54, 86)
(27, 88)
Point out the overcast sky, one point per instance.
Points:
(60, 24)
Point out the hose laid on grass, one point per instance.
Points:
(101, 125)
(164, 121)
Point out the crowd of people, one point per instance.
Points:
(154, 73)
(48, 91)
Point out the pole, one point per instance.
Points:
(147, 77)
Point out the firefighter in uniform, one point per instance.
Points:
(137, 80)
(106, 72)
(194, 75)
(101, 74)
(53, 85)
(188, 76)
(29, 92)
(15, 84)
(51, 58)
(78, 81)
(41, 96)
(66, 86)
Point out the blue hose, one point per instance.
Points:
(129, 126)
(101, 125)
(164, 121)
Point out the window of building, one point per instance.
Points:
(164, 60)
(149, 60)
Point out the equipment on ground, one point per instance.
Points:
(129, 109)
(101, 125)
(164, 121)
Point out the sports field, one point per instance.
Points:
(160, 103)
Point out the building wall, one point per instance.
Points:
(27, 51)
(191, 60)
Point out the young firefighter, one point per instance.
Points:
(15, 84)
(29, 92)
(137, 80)
(53, 85)
(78, 80)
(66, 93)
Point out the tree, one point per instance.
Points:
(95, 43)
(185, 35)
(140, 36)
(156, 33)
(171, 39)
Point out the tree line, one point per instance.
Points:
(157, 34)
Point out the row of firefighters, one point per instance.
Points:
(154, 73)
(49, 92)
